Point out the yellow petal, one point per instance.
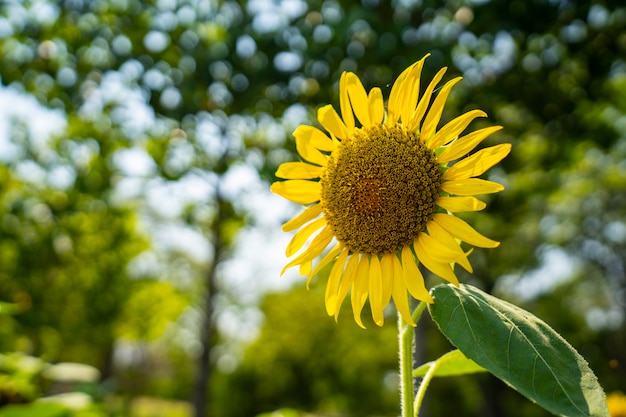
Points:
(387, 271)
(437, 250)
(413, 279)
(434, 113)
(300, 238)
(315, 138)
(358, 99)
(344, 100)
(327, 258)
(298, 171)
(396, 97)
(305, 270)
(478, 163)
(376, 291)
(408, 101)
(454, 128)
(408, 79)
(309, 152)
(442, 270)
(464, 145)
(346, 282)
(317, 246)
(376, 106)
(333, 283)
(458, 204)
(471, 186)
(359, 289)
(298, 191)
(399, 294)
(319, 242)
(329, 118)
(307, 215)
(440, 234)
(416, 119)
(460, 229)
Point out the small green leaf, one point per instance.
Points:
(453, 363)
(518, 348)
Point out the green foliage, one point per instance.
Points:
(149, 310)
(303, 359)
(76, 254)
(18, 378)
(286, 412)
(453, 363)
(518, 348)
(39, 410)
(157, 407)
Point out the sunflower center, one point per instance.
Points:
(380, 189)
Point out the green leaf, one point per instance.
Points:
(35, 409)
(453, 363)
(518, 348)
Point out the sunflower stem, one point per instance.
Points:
(406, 336)
(419, 397)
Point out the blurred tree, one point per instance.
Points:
(305, 360)
(65, 251)
(109, 64)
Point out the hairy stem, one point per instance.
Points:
(405, 351)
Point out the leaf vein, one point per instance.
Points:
(537, 353)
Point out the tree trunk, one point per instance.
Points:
(207, 330)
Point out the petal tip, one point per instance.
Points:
(358, 321)
(429, 299)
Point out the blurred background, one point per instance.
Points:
(140, 248)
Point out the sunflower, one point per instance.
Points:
(380, 196)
